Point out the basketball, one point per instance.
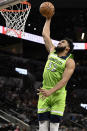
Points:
(47, 9)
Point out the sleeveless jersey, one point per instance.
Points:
(53, 70)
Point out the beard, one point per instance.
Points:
(59, 49)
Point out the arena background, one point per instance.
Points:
(18, 95)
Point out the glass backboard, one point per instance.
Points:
(8, 3)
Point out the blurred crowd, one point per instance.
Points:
(19, 99)
(11, 127)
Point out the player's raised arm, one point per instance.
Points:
(46, 36)
(47, 10)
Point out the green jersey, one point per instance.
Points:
(53, 70)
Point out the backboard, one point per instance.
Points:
(7, 3)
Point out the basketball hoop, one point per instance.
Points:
(16, 16)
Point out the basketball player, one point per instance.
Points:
(58, 70)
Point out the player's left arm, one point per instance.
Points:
(70, 67)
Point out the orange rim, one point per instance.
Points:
(24, 10)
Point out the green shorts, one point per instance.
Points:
(55, 104)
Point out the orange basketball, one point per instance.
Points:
(47, 9)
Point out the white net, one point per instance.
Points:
(16, 17)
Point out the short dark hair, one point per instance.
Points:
(70, 42)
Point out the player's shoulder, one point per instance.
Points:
(70, 61)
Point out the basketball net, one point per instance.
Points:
(15, 17)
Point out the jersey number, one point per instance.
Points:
(51, 67)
